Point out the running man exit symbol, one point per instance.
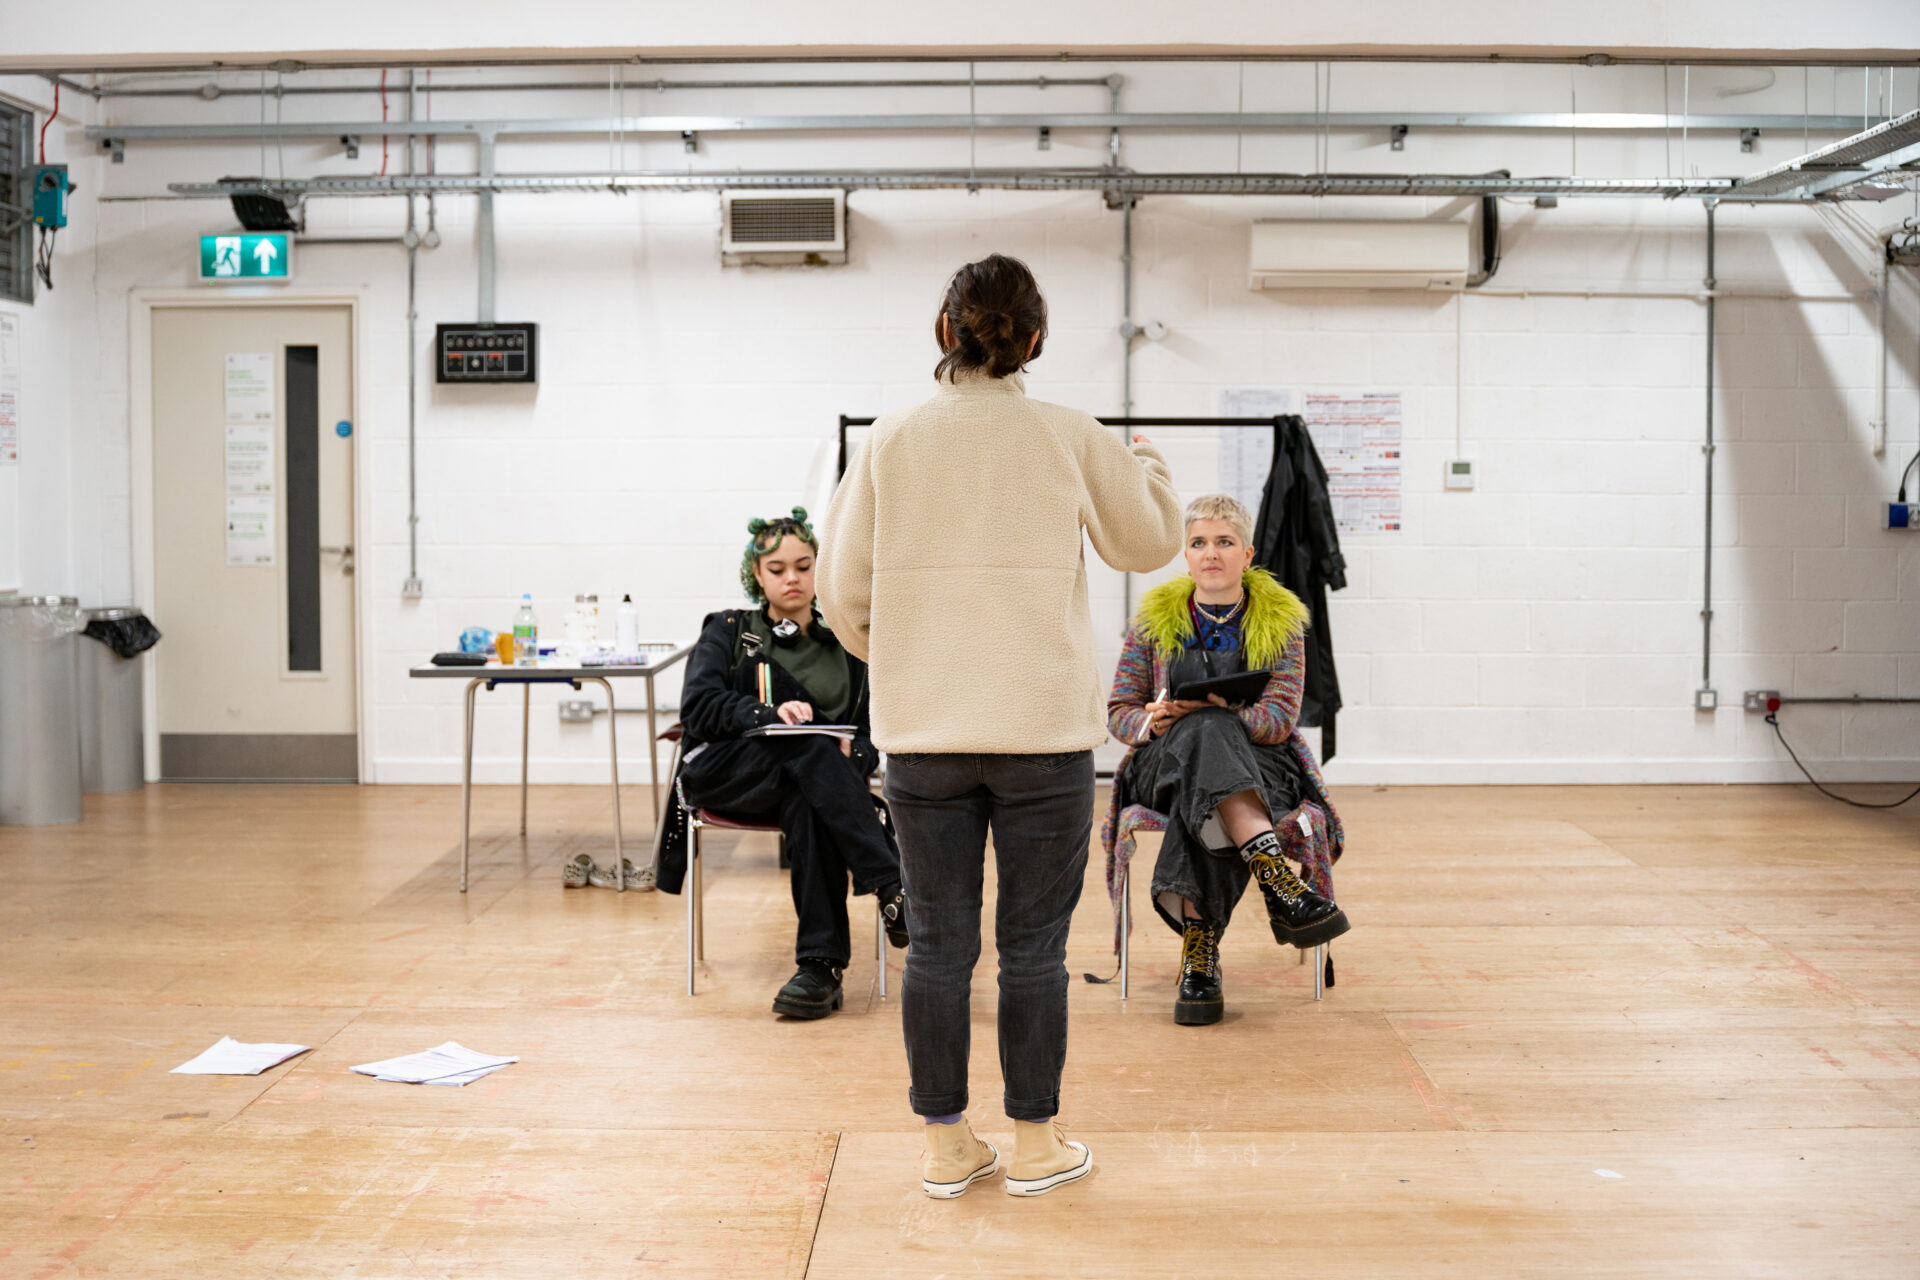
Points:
(250, 256)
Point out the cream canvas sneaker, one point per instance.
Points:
(1043, 1159)
(954, 1160)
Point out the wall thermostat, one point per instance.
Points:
(1459, 473)
(483, 352)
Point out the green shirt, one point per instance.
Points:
(819, 666)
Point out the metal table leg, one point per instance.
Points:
(466, 784)
(526, 718)
(1319, 971)
(653, 753)
(1126, 923)
(613, 761)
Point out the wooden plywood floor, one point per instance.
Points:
(1713, 993)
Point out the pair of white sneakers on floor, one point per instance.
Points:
(1043, 1159)
(583, 871)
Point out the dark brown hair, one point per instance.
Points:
(993, 309)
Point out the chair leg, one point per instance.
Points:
(692, 889)
(1319, 971)
(699, 909)
(1126, 924)
(880, 943)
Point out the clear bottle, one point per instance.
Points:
(626, 627)
(526, 634)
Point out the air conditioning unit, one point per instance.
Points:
(1360, 255)
(783, 228)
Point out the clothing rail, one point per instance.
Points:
(1122, 423)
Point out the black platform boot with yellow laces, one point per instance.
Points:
(1198, 1003)
(1299, 916)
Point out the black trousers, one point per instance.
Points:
(824, 810)
(1185, 773)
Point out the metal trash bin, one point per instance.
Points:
(112, 708)
(39, 710)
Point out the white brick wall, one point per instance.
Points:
(1542, 628)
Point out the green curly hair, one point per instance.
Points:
(765, 535)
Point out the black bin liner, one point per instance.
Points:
(129, 637)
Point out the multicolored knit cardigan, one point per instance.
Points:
(1274, 633)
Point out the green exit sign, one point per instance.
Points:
(252, 255)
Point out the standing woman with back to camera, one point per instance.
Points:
(951, 561)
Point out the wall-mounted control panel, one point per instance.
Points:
(481, 352)
(1459, 473)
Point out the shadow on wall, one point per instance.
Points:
(1804, 560)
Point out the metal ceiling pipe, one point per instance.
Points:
(962, 122)
(1707, 451)
(566, 86)
(411, 57)
(484, 233)
(412, 588)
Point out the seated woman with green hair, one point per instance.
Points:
(1223, 776)
(777, 663)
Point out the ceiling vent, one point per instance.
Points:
(1328, 254)
(783, 228)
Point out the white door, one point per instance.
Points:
(253, 542)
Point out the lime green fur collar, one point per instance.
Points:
(1274, 617)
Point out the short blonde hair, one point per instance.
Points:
(1222, 506)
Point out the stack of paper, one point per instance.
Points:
(231, 1058)
(783, 730)
(450, 1063)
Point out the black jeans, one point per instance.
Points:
(824, 810)
(1203, 758)
(1040, 811)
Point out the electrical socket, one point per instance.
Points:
(1705, 700)
(1900, 515)
(1758, 700)
(576, 710)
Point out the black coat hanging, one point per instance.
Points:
(1295, 539)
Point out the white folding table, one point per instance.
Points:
(493, 675)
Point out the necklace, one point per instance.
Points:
(1220, 617)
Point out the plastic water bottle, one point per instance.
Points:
(626, 627)
(526, 634)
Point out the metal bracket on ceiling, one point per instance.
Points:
(1747, 138)
(117, 146)
(689, 141)
(1397, 137)
(352, 144)
(1046, 137)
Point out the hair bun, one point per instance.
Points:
(756, 525)
(800, 514)
(989, 325)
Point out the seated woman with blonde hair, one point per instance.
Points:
(1222, 775)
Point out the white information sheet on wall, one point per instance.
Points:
(9, 391)
(250, 529)
(1246, 453)
(1358, 434)
(249, 388)
(249, 457)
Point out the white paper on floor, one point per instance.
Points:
(450, 1063)
(231, 1058)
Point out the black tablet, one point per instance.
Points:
(1236, 690)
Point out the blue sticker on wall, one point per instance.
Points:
(343, 429)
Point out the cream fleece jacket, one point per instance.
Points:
(951, 561)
